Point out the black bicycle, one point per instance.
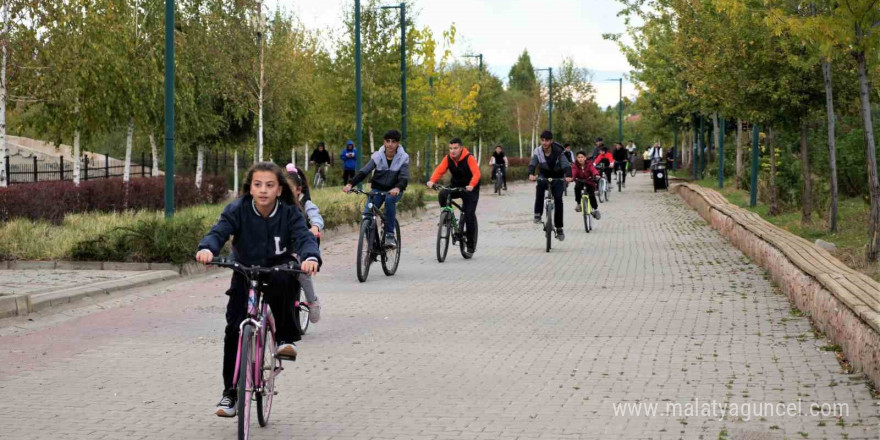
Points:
(450, 228)
(371, 244)
(499, 179)
(620, 172)
(549, 206)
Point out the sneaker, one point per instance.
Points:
(596, 215)
(505, 187)
(390, 241)
(560, 234)
(286, 350)
(314, 311)
(577, 208)
(226, 406)
(537, 219)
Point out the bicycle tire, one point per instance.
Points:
(462, 244)
(301, 312)
(548, 227)
(267, 372)
(245, 380)
(364, 250)
(585, 204)
(632, 170)
(607, 193)
(390, 269)
(443, 231)
(619, 181)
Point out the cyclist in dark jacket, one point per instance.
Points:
(620, 159)
(549, 161)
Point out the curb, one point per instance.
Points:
(21, 305)
(85, 265)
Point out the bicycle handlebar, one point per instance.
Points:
(372, 192)
(290, 267)
(441, 187)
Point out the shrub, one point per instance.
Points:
(51, 201)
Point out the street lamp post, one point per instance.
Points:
(550, 92)
(402, 7)
(479, 127)
(358, 118)
(169, 108)
(619, 110)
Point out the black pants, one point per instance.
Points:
(622, 167)
(469, 202)
(279, 293)
(557, 188)
(503, 173)
(579, 189)
(347, 175)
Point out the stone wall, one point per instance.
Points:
(841, 302)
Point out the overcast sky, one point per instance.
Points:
(501, 29)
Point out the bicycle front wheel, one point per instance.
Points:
(391, 257)
(268, 364)
(364, 250)
(619, 181)
(245, 384)
(548, 228)
(463, 244)
(301, 311)
(443, 232)
(498, 183)
(585, 208)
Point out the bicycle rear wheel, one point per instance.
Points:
(444, 229)
(391, 257)
(364, 250)
(268, 364)
(245, 383)
(462, 244)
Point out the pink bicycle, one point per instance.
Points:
(256, 364)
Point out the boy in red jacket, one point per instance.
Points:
(585, 175)
(606, 159)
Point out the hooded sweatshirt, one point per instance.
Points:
(387, 175)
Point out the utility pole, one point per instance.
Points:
(169, 108)
(358, 118)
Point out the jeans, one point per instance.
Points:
(469, 202)
(557, 188)
(579, 189)
(278, 293)
(503, 173)
(390, 208)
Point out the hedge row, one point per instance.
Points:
(51, 201)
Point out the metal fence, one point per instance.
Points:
(63, 170)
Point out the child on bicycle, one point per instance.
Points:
(605, 159)
(585, 174)
(267, 228)
(465, 172)
(315, 223)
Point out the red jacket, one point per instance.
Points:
(586, 173)
(608, 156)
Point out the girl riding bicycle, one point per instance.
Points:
(315, 223)
(585, 174)
(268, 228)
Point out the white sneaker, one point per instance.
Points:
(286, 351)
(226, 407)
(315, 311)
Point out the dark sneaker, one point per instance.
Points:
(577, 208)
(560, 234)
(286, 351)
(390, 241)
(226, 406)
(596, 215)
(537, 219)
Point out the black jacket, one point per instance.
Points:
(619, 155)
(320, 157)
(262, 241)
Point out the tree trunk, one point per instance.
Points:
(126, 174)
(306, 156)
(200, 162)
(154, 151)
(739, 154)
(372, 146)
(479, 150)
(807, 199)
(871, 156)
(436, 148)
(76, 159)
(235, 173)
(3, 177)
(832, 147)
(518, 130)
(774, 197)
(261, 86)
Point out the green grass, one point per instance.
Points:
(853, 216)
(147, 235)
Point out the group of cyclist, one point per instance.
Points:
(275, 221)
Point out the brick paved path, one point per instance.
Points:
(652, 307)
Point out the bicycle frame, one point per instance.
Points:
(371, 214)
(450, 206)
